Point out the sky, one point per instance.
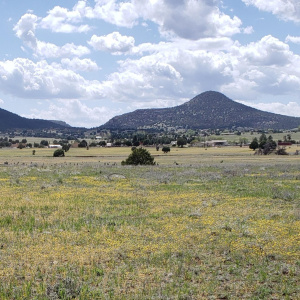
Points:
(85, 61)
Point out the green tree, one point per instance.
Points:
(262, 140)
(243, 140)
(181, 141)
(139, 156)
(83, 144)
(254, 144)
(269, 146)
(44, 143)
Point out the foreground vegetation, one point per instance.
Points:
(202, 224)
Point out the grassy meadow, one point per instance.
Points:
(219, 223)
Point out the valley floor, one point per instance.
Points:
(202, 224)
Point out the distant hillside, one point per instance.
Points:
(207, 110)
(60, 123)
(10, 120)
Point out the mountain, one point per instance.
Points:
(10, 120)
(208, 110)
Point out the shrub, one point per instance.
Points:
(59, 153)
(281, 151)
(166, 149)
(83, 144)
(93, 144)
(139, 156)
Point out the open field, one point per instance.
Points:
(116, 155)
(219, 223)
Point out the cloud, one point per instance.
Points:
(1, 101)
(49, 50)
(289, 109)
(75, 113)
(60, 19)
(25, 30)
(189, 19)
(288, 10)
(170, 70)
(248, 30)
(169, 74)
(83, 65)
(198, 54)
(262, 68)
(119, 13)
(26, 79)
(293, 39)
(113, 42)
(268, 51)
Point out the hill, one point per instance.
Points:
(10, 120)
(208, 110)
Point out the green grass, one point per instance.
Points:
(219, 224)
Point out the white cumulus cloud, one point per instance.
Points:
(189, 19)
(25, 30)
(83, 65)
(60, 19)
(288, 10)
(49, 50)
(289, 109)
(293, 39)
(113, 42)
(268, 51)
(75, 113)
(27, 79)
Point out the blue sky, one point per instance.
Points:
(84, 62)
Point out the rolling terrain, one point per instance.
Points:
(10, 121)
